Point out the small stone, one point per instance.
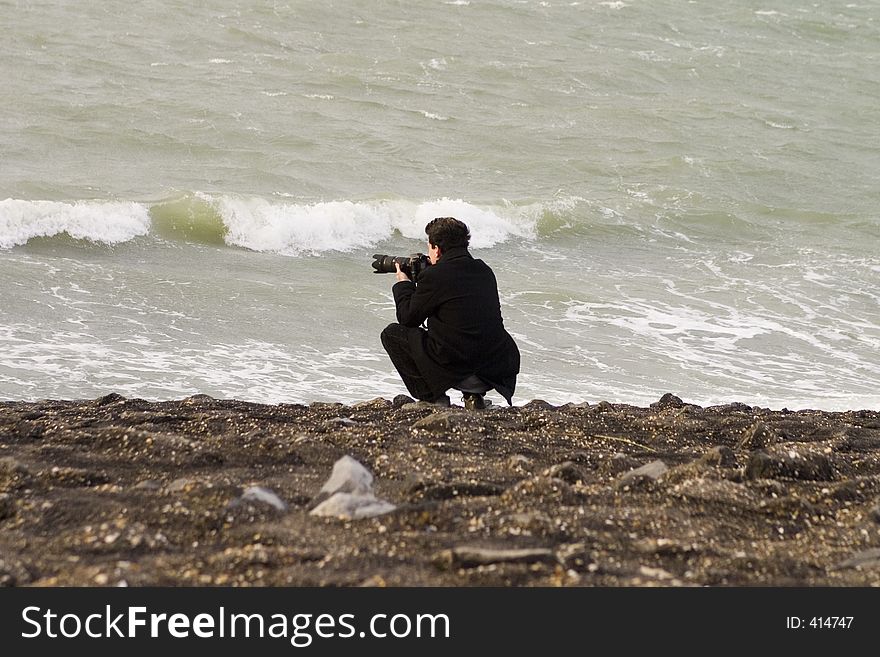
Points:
(667, 401)
(472, 557)
(648, 472)
(377, 403)
(106, 400)
(350, 506)
(148, 484)
(443, 421)
(348, 493)
(401, 400)
(198, 399)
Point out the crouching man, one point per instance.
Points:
(464, 345)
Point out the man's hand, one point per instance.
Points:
(400, 275)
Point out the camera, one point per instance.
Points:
(411, 265)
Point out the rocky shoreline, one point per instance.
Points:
(204, 492)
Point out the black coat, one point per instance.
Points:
(459, 298)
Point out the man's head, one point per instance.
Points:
(445, 233)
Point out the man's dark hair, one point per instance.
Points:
(447, 233)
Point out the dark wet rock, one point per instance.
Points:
(112, 398)
(733, 407)
(199, 399)
(789, 462)
(539, 405)
(401, 400)
(668, 401)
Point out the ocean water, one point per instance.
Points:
(675, 196)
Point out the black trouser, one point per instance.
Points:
(395, 339)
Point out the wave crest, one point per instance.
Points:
(95, 221)
(292, 228)
(277, 226)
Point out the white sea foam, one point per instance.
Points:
(96, 221)
(293, 229)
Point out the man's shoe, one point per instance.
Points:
(473, 401)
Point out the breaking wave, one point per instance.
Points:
(276, 226)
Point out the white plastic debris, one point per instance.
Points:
(260, 494)
(348, 476)
(348, 493)
(349, 505)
